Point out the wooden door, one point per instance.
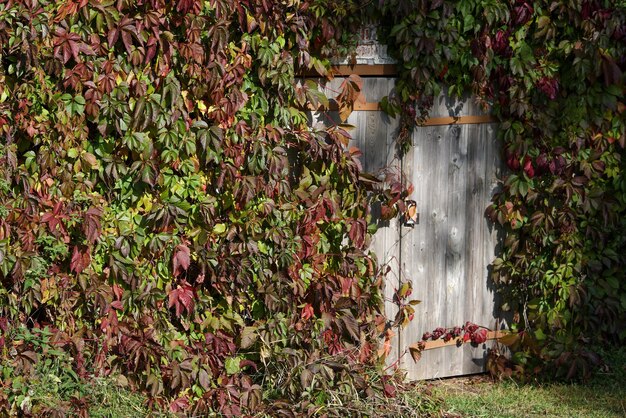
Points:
(454, 170)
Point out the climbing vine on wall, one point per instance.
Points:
(553, 73)
(167, 213)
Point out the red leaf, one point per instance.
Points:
(528, 167)
(249, 363)
(68, 45)
(513, 162)
(181, 259)
(117, 305)
(51, 220)
(307, 312)
(182, 298)
(389, 390)
(357, 233)
(118, 291)
(127, 29)
(92, 226)
(80, 260)
(479, 336)
(179, 405)
(4, 324)
(70, 7)
(113, 36)
(184, 6)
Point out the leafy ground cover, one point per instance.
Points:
(478, 396)
(167, 212)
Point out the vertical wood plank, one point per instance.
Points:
(476, 280)
(389, 251)
(455, 259)
(493, 168)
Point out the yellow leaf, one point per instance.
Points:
(345, 112)
(145, 202)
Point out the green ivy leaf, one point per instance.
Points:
(219, 229)
(232, 365)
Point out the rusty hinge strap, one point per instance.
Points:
(434, 121)
(364, 70)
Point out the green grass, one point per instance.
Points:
(603, 396)
(511, 400)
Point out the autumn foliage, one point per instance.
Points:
(167, 213)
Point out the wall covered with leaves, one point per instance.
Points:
(166, 212)
(553, 72)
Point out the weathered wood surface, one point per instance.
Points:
(454, 171)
